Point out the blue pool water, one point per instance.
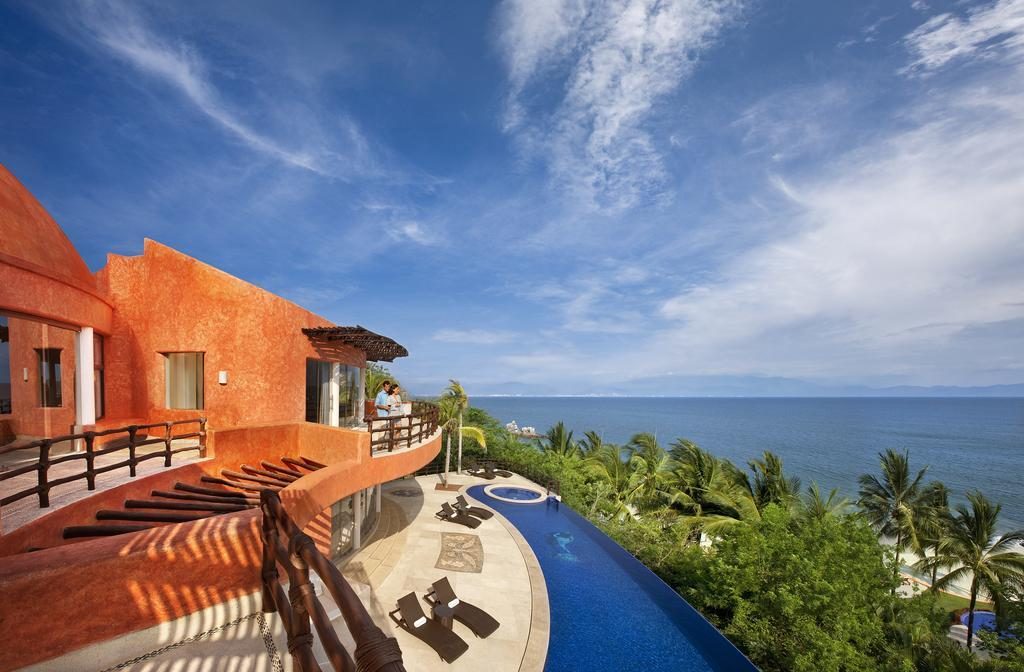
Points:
(522, 494)
(608, 611)
(982, 619)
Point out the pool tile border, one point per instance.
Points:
(536, 652)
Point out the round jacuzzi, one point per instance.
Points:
(516, 494)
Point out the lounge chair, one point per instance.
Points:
(453, 516)
(485, 472)
(462, 505)
(476, 619)
(443, 641)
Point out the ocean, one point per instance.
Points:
(965, 443)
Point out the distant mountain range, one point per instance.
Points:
(743, 386)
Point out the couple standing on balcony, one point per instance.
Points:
(389, 400)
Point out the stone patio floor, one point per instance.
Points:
(401, 556)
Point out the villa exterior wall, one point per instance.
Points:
(41, 274)
(28, 418)
(166, 301)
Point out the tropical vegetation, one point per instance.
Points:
(797, 578)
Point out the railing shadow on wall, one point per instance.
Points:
(178, 570)
(137, 436)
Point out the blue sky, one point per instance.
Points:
(560, 196)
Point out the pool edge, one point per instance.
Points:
(537, 641)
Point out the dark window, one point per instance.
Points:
(318, 391)
(5, 367)
(49, 377)
(99, 386)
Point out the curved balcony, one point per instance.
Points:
(110, 586)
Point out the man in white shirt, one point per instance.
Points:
(381, 402)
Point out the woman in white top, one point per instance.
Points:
(395, 401)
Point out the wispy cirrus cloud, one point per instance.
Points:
(908, 253)
(473, 336)
(987, 32)
(615, 61)
(123, 30)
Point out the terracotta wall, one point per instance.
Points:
(166, 301)
(111, 586)
(41, 274)
(28, 418)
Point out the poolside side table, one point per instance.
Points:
(444, 614)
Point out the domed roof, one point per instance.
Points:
(30, 238)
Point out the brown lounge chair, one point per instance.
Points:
(453, 516)
(462, 505)
(476, 619)
(443, 641)
(485, 472)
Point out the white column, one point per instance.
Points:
(85, 374)
(335, 394)
(377, 498)
(357, 514)
(362, 396)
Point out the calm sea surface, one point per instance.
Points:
(966, 443)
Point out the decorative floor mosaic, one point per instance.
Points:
(461, 553)
(405, 492)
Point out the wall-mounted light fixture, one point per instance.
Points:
(222, 377)
(24, 374)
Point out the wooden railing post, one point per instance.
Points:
(202, 437)
(132, 430)
(167, 444)
(90, 460)
(391, 435)
(44, 469)
(268, 573)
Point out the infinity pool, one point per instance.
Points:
(608, 611)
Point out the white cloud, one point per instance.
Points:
(985, 32)
(472, 336)
(411, 231)
(908, 256)
(621, 57)
(121, 30)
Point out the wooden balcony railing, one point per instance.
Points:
(395, 432)
(136, 437)
(374, 651)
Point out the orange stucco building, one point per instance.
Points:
(154, 338)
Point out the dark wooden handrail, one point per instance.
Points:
(42, 465)
(375, 652)
(403, 431)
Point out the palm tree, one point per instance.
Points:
(705, 489)
(451, 421)
(895, 504)
(815, 507)
(968, 545)
(375, 377)
(591, 443)
(559, 441)
(770, 485)
(933, 525)
(650, 466)
(607, 465)
(460, 399)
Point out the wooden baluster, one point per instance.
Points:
(167, 444)
(131, 449)
(268, 533)
(90, 460)
(202, 437)
(44, 469)
(391, 436)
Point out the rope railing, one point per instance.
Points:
(395, 432)
(137, 437)
(285, 543)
